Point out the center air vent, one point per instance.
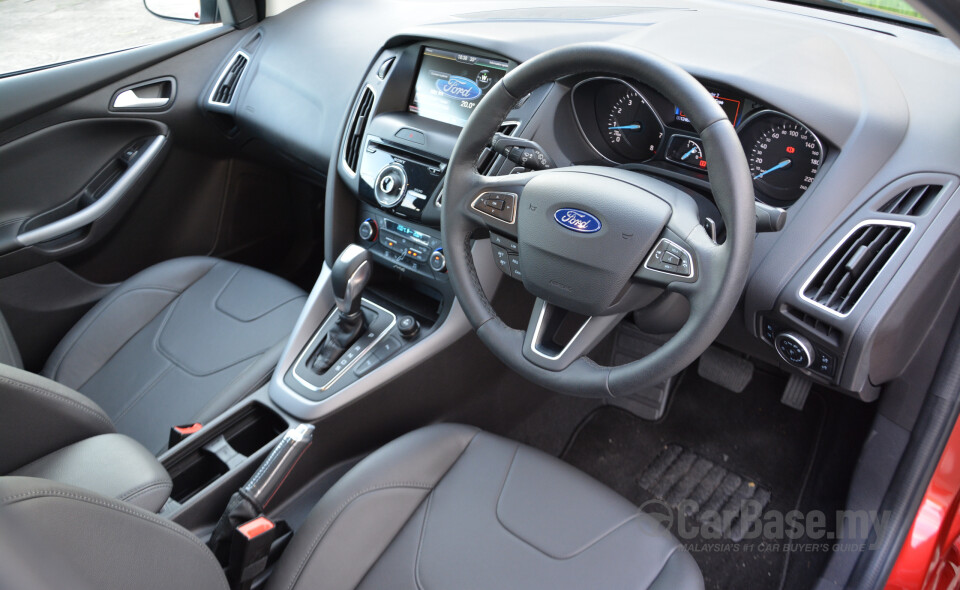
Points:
(229, 80)
(840, 281)
(353, 139)
(913, 201)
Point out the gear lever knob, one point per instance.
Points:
(349, 276)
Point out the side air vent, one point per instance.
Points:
(353, 140)
(841, 279)
(229, 80)
(913, 201)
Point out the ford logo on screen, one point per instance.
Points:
(459, 87)
(577, 220)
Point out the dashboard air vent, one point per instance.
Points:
(358, 124)
(913, 201)
(488, 157)
(229, 80)
(821, 328)
(852, 266)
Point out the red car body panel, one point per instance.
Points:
(930, 557)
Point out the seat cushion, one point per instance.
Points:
(177, 343)
(112, 465)
(449, 506)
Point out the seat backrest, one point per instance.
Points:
(56, 536)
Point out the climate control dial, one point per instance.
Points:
(368, 230)
(438, 261)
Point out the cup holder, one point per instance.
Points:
(202, 463)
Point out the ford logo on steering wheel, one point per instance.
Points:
(577, 220)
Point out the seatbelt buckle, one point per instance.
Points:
(180, 433)
(250, 551)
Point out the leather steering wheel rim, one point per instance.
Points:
(716, 291)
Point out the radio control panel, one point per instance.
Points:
(397, 180)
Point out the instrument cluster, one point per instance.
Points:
(626, 123)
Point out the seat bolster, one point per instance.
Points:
(118, 316)
(9, 352)
(359, 517)
(112, 465)
(96, 542)
(40, 416)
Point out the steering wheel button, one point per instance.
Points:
(670, 258)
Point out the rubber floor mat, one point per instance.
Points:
(701, 488)
(718, 461)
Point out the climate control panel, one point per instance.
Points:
(401, 245)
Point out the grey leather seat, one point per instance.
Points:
(444, 507)
(177, 343)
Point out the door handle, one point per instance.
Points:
(154, 94)
(128, 99)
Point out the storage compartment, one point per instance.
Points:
(253, 428)
(214, 451)
(196, 472)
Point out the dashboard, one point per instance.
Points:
(839, 119)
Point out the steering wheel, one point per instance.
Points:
(596, 243)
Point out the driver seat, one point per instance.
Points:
(443, 507)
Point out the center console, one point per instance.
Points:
(398, 138)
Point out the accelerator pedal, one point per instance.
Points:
(796, 392)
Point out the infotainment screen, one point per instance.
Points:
(451, 84)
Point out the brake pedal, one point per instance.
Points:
(725, 369)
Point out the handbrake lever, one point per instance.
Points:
(252, 498)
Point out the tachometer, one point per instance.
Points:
(784, 155)
(630, 126)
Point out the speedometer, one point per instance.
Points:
(784, 155)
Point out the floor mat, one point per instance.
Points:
(717, 465)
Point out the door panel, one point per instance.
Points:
(65, 186)
(59, 129)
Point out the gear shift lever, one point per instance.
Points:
(349, 276)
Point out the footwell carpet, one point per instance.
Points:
(720, 467)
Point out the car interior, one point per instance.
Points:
(439, 294)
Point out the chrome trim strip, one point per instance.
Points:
(236, 83)
(836, 247)
(333, 314)
(101, 206)
(536, 336)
